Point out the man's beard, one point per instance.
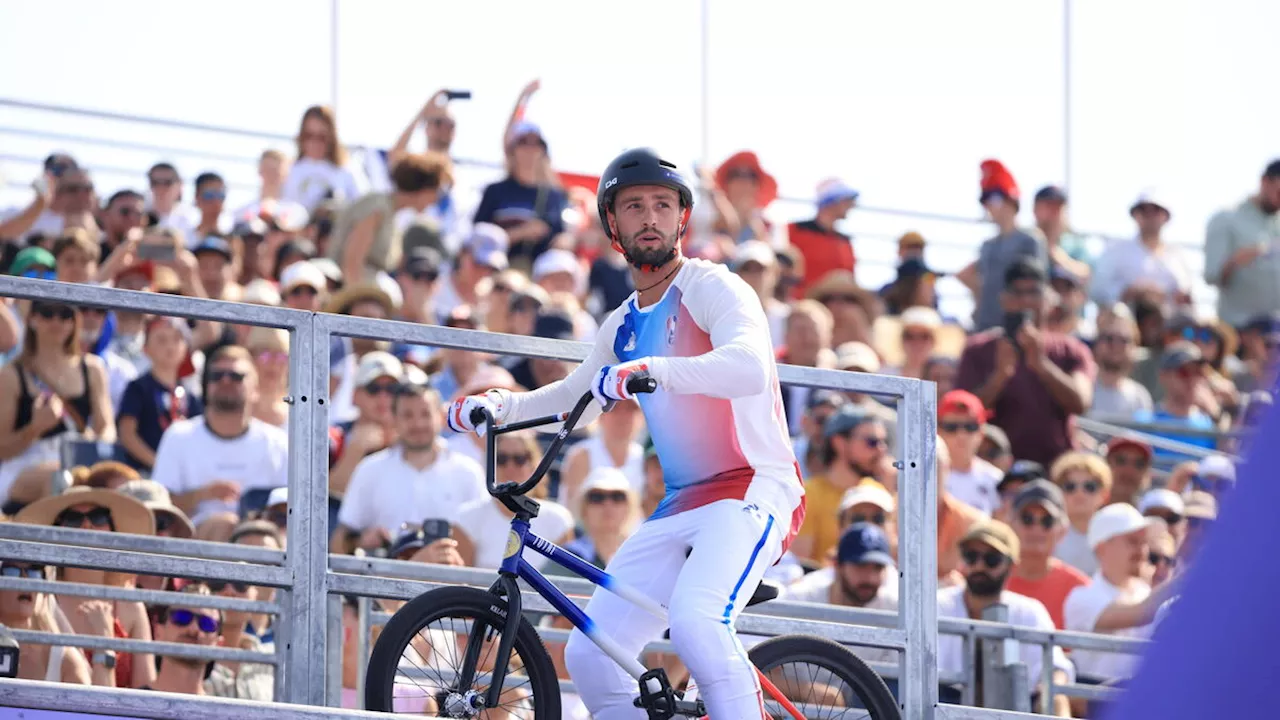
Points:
(412, 446)
(647, 258)
(861, 594)
(981, 584)
(1109, 365)
(226, 403)
(861, 471)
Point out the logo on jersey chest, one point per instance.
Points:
(631, 343)
(671, 330)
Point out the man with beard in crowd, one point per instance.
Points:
(988, 553)
(186, 626)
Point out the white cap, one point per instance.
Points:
(920, 316)
(1115, 520)
(260, 292)
(1151, 196)
(867, 492)
(388, 285)
(1218, 466)
(756, 251)
(857, 354)
(556, 261)
(1163, 499)
(279, 496)
(378, 364)
(414, 375)
(302, 273)
(603, 477)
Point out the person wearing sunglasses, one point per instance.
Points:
(187, 626)
(1085, 480)
(1130, 462)
(25, 610)
(972, 480)
(1040, 521)
(1116, 394)
(210, 200)
(988, 553)
(870, 502)
(1217, 476)
(994, 447)
(1200, 515)
(1014, 479)
(1187, 402)
(1170, 507)
(1162, 560)
(1117, 601)
(243, 681)
(377, 378)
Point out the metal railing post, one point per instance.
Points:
(333, 650)
(364, 626)
(917, 554)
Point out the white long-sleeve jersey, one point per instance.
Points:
(716, 419)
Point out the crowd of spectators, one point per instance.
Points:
(178, 428)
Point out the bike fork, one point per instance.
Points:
(503, 587)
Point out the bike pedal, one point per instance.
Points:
(691, 708)
(661, 703)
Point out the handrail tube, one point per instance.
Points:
(140, 543)
(1155, 441)
(147, 597)
(1089, 692)
(129, 645)
(163, 565)
(946, 711)
(126, 145)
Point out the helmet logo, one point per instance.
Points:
(611, 183)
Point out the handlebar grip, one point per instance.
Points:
(641, 384)
(478, 416)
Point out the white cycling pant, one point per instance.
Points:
(733, 543)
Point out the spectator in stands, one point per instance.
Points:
(226, 460)
(211, 198)
(169, 518)
(740, 191)
(217, 274)
(128, 340)
(870, 502)
(918, 341)
(419, 477)
(1239, 253)
(377, 379)
(243, 681)
(367, 300)
(1067, 249)
(480, 527)
(1040, 521)
(187, 626)
(822, 246)
(269, 348)
(1259, 341)
(1169, 506)
(100, 510)
(1086, 486)
(941, 371)
(987, 277)
(533, 372)
(320, 172)
(1144, 263)
(95, 338)
(32, 611)
(124, 212)
(854, 446)
(989, 551)
(915, 284)
(1067, 316)
(364, 239)
(490, 376)
(608, 510)
(757, 264)
(156, 399)
(482, 254)
(165, 209)
(955, 519)
(1201, 514)
(1130, 464)
(807, 344)
(1182, 376)
(106, 474)
(1035, 381)
(808, 445)
(972, 479)
(303, 287)
(47, 211)
(50, 389)
(270, 205)
(994, 447)
(1217, 476)
(1115, 394)
(853, 309)
(76, 255)
(861, 578)
(613, 444)
(528, 203)
(458, 366)
(1020, 473)
(1117, 601)
(418, 280)
(1162, 560)
(261, 534)
(859, 357)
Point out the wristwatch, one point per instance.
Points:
(105, 658)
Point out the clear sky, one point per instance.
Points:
(902, 99)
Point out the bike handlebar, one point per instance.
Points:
(636, 385)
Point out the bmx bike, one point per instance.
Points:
(501, 669)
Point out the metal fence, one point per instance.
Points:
(309, 580)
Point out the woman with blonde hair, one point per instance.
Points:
(319, 172)
(23, 610)
(270, 350)
(1085, 480)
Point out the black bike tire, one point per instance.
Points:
(458, 602)
(866, 683)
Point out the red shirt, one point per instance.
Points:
(822, 250)
(1052, 589)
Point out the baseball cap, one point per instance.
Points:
(1051, 193)
(920, 316)
(829, 398)
(408, 540)
(1043, 493)
(329, 269)
(378, 364)
(1115, 520)
(488, 245)
(31, 257)
(423, 261)
(1022, 471)
(867, 491)
(1179, 354)
(997, 438)
(214, 244)
(962, 401)
(554, 261)
(1273, 169)
(1058, 272)
(756, 251)
(916, 267)
(1150, 196)
(863, 543)
(279, 496)
(1162, 499)
(1266, 323)
(260, 291)
(857, 355)
(844, 419)
(1121, 443)
(302, 274)
(1218, 466)
(999, 536)
(833, 190)
(553, 325)
(1200, 504)
(525, 127)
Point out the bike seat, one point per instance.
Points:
(765, 592)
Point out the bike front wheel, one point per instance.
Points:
(821, 679)
(423, 662)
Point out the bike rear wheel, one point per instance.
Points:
(434, 630)
(823, 679)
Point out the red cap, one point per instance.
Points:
(962, 401)
(997, 178)
(1124, 442)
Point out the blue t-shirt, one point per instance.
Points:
(156, 407)
(1197, 421)
(507, 203)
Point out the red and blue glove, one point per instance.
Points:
(458, 415)
(610, 383)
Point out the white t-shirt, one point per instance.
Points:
(47, 223)
(1081, 611)
(464, 444)
(310, 180)
(185, 219)
(1074, 550)
(120, 373)
(1023, 612)
(1127, 262)
(387, 492)
(598, 456)
(816, 588)
(488, 528)
(190, 457)
(977, 486)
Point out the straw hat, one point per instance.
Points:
(342, 301)
(156, 497)
(129, 515)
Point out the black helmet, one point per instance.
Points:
(640, 166)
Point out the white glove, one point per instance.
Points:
(610, 383)
(458, 415)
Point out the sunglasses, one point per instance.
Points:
(430, 276)
(1170, 519)
(378, 388)
(873, 442)
(213, 195)
(1136, 462)
(599, 497)
(530, 141)
(183, 618)
(499, 288)
(324, 137)
(97, 517)
(952, 427)
(50, 312)
(217, 586)
(992, 453)
(916, 337)
(86, 310)
(874, 519)
(216, 376)
(1117, 339)
(164, 181)
(1046, 521)
(990, 558)
(742, 175)
(1088, 486)
(1156, 559)
(31, 572)
(1203, 335)
(517, 459)
(74, 188)
(302, 290)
